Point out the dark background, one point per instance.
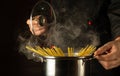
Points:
(14, 14)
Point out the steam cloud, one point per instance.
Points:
(71, 30)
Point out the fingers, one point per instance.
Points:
(39, 31)
(107, 52)
(106, 57)
(103, 50)
(110, 64)
(35, 28)
(34, 23)
(109, 55)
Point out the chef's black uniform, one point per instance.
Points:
(104, 16)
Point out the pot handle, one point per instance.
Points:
(88, 59)
(37, 58)
(42, 59)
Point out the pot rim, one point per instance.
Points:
(68, 57)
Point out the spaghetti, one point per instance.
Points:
(56, 51)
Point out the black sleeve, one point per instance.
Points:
(114, 16)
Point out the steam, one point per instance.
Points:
(71, 35)
(71, 30)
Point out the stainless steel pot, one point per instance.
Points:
(66, 66)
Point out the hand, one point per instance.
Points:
(36, 29)
(109, 54)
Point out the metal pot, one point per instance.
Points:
(66, 66)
